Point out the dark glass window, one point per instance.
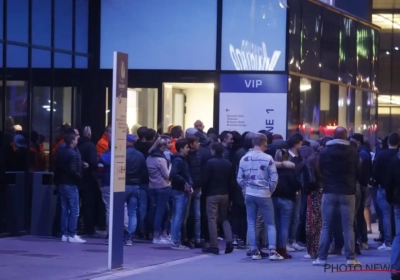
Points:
(41, 22)
(17, 20)
(17, 56)
(364, 49)
(63, 25)
(1, 55)
(62, 60)
(294, 121)
(375, 55)
(81, 62)
(330, 45)
(41, 58)
(294, 35)
(312, 23)
(329, 109)
(309, 108)
(81, 26)
(348, 51)
(1, 17)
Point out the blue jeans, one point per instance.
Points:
(395, 259)
(283, 211)
(346, 205)
(266, 208)
(386, 210)
(132, 195)
(295, 220)
(146, 209)
(180, 200)
(69, 195)
(161, 198)
(193, 204)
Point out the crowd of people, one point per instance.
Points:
(187, 189)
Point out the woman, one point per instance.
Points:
(160, 186)
(312, 186)
(284, 198)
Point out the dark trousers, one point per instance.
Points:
(362, 232)
(217, 213)
(204, 221)
(57, 218)
(239, 221)
(88, 207)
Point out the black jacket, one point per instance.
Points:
(238, 196)
(143, 147)
(393, 185)
(196, 161)
(89, 155)
(288, 184)
(338, 164)
(365, 167)
(382, 166)
(179, 174)
(136, 168)
(68, 169)
(219, 177)
(227, 154)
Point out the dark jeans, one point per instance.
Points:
(204, 220)
(88, 207)
(193, 208)
(146, 210)
(362, 232)
(239, 221)
(217, 213)
(161, 199)
(387, 215)
(395, 259)
(69, 209)
(131, 195)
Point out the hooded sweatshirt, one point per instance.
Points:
(257, 174)
(158, 168)
(288, 184)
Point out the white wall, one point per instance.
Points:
(199, 106)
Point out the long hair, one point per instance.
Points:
(281, 155)
(158, 144)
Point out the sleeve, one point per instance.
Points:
(273, 175)
(206, 176)
(294, 181)
(74, 167)
(93, 158)
(175, 175)
(375, 169)
(163, 167)
(241, 175)
(145, 174)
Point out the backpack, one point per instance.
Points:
(308, 179)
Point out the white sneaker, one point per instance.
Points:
(353, 262)
(274, 256)
(64, 238)
(297, 247)
(160, 241)
(319, 262)
(307, 256)
(76, 239)
(289, 248)
(385, 248)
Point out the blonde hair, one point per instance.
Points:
(281, 155)
(158, 144)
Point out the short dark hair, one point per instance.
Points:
(176, 132)
(69, 137)
(394, 139)
(294, 140)
(150, 134)
(70, 130)
(180, 144)
(269, 135)
(218, 148)
(191, 139)
(141, 132)
(223, 135)
(259, 139)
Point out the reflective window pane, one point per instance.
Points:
(330, 45)
(309, 108)
(329, 109)
(1, 21)
(1, 55)
(294, 105)
(17, 20)
(364, 49)
(348, 51)
(62, 60)
(81, 26)
(41, 22)
(63, 25)
(294, 35)
(17, 56)
(41, 58)
(62, 106)
(81, 62)
(142, 108)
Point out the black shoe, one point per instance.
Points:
(264, 255)
(229, 248)
(188, 244)
(211, 250)
(199, 245)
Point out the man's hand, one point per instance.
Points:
(85, 165)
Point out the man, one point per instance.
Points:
(136, 173)
(338, 165)
(199, 125)
(258, 177)
(381, 173)
(181, 189)
(226, 139)
(176, 134)
(90, 190)
(146, 139)
(69, 170)
(365, 173)
(219, 186)
(297, 225)
(102, 144)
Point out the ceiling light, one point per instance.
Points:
(387, 52)
(396, 48)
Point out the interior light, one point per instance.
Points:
(305, 84)
(396, 48)
(107, 111)
(388, 52)
(168, 86)
(320, 65)
(46, 107)
(210, 86)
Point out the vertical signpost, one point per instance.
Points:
(118, 154)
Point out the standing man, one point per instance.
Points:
(102, 144)
(69, 169)
(257, 175)
(199, 125)
(338, 165)
(226, 139)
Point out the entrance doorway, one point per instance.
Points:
(184, 103)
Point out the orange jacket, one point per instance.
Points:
(173, 143)
(102, 145)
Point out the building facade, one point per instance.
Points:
(284, 66)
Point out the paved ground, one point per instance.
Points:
(49, 259)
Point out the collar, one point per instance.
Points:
(292, 154)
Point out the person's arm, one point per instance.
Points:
(273, 175)
(92, 160)
(74, 166)
(375, 169)
(163, 167)
(294, 181)
(241, 175)
(176, 169)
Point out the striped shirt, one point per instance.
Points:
(257, 174)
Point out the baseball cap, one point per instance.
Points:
(130, 138)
